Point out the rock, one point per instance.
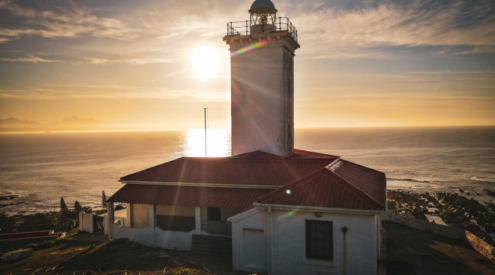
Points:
(88, 273)
(471, 227)
(17, 255)
(460, 190)
(489, 228)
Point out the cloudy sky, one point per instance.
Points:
(157, 63)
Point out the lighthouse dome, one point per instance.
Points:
(262, 4)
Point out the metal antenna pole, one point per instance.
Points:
(206, 140)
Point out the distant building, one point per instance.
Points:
(272, 208)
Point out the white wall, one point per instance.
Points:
(255, 220)
(262, 87)
(154, 236)
(140, 215)
(289, 243)
(86, 222)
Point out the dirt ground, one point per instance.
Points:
(66, 256)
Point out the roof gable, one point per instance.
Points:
(371, 182)
(322, 188)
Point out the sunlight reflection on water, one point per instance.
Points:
(218, 143)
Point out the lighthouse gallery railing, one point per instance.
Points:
(243, 27)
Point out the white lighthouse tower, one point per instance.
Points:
(262, 70)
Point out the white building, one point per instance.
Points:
(270, 207)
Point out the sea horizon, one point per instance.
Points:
(40, 168)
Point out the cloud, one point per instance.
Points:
(71, 21)
(417, 22)
(133, 61)
(49, 92)
(31, 59)
(478, 50)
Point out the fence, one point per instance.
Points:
(244, 27)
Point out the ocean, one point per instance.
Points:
(36, 169)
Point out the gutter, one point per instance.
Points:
(320, 209)
(271, 239)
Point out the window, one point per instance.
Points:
(319, 240)
(214, 214)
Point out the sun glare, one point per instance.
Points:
(218, 145)
(205, 61)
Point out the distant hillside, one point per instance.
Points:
(17, 123)
(77, 121)
(71, 123)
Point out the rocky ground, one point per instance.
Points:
(455, 209)
(114, 257)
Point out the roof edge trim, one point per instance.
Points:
(321, 209)
(243, 215)
(203, 184)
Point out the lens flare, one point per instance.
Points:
(248, 48)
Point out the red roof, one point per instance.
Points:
(322, 188)
(322, 180)
(371, 182)
(234, 198)
(231, 170)
(297, 154)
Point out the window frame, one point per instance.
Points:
(208, 216)
(309, 255)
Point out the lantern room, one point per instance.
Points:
(263, 16)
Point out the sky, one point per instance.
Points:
(362, 63)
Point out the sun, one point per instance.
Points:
(205, 61)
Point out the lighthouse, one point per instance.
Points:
(262, 51)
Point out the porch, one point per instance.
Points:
(176, 227)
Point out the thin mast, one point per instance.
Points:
(206, 140)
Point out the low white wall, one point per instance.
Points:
(86, 222)
(154, 236)
(357, 254)
(173, 239)
(140, 235)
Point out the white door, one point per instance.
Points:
(254, 249)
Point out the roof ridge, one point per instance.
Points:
(306, 151)
(259, 158)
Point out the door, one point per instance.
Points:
(254, 249)
(98, 224)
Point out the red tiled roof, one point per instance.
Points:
(297, 154)
(231, 170)
(371, 182)
(339, 183)
(235, 198)
(308, 154)
(322, 188)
